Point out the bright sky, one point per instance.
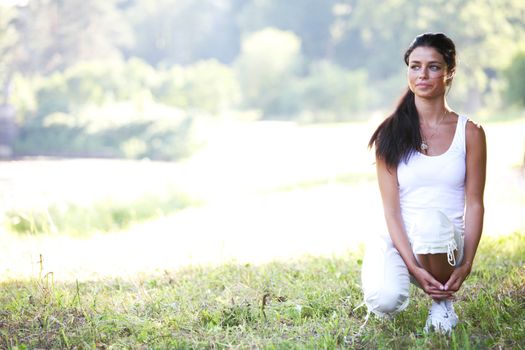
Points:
(14, 2)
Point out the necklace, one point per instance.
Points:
(424, 143)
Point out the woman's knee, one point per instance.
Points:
(384, 278)
(385, 301)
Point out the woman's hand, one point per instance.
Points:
(459, 275)
(430, 285)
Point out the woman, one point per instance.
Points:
(431, 165)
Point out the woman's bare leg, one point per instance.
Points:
(437, 265)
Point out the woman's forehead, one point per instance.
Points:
(425, 54)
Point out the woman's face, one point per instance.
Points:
(427, 72)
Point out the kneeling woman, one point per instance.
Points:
(431, 171)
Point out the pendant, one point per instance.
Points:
(424, 146)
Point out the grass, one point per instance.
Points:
(296, 304)
(305, 303)
(109, 215)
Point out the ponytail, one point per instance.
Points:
(398, 136)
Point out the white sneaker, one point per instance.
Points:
(451, 313)
(439, 318)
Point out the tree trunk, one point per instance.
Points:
(7, 130)
(7, 121)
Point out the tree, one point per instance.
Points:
(333, 93)
(310, 20)
(207, 86)
(267, 65)
(8, 40)
(172, 32)
(54, 35)
(486, 34)
(515, 76)
(375, 36)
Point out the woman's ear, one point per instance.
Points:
(450, 76)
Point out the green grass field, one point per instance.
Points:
(304, 303)
(265, 198)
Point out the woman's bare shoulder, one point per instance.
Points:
(475, 133)
(474, 127)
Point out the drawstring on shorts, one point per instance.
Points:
(451, 257)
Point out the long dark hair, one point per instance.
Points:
(399, 135)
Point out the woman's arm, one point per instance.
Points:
(388, 187)
(476, 163)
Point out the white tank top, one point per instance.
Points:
(435, 182)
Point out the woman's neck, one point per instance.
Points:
(431, 111)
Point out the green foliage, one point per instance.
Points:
(312, 21)
(268, 63)
(271, 80)
(515, 74)
(206, 86)
(105, 216)
(8, 38)
(158, 140)
(364, 36)
(57, 35)
(169, 32)
(331, 93)
(308, 303)
(52, 96)
(303, 60)
(23, 97)
(95, 83)
(77, 113)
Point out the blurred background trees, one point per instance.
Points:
(130, 78)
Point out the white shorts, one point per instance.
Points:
(384, 276)
(432, 233)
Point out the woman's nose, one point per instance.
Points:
(423, 73)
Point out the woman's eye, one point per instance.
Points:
(435, 68)
(414, 67)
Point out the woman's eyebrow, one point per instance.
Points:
(430, 62)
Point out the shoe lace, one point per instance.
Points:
(366, 317)
(350, 338)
